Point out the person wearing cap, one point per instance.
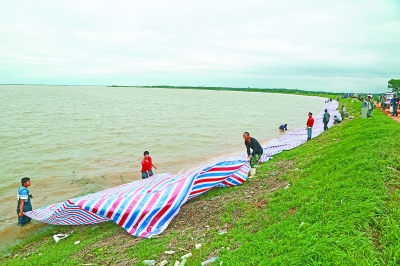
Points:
(393, 103)
(255, 155)
(147, 165)
(326, 118)
(369, 105)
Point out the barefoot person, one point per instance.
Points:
(255, 155)
(24, 201)
(147, 165)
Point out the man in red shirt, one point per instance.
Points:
(147, 165)
(310, 123)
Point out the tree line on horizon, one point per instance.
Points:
(272, 90)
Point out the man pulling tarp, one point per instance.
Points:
(255, 155)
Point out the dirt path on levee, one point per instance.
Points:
(387, 112)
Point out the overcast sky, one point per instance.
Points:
(336, 45)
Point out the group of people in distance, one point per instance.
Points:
(253, 147)
(394, 104)
(369, 103)
(255, 151)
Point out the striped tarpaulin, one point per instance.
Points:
(145, 208)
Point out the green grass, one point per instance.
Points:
(342, 208)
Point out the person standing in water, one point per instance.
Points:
(283, 127)
(147, 165)
(24, 201)
(255, 155)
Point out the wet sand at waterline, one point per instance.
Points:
(72, 140)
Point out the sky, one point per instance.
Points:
(337, 46)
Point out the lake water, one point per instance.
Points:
(73, 140)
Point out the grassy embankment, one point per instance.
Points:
(341, 208)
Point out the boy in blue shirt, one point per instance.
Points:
(24, 201)
(283, 127)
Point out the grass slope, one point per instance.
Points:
(341, 208)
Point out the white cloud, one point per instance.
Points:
(323, 45)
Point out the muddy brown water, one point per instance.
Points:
(75, 140)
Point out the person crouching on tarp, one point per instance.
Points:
(254, 157)
(147, 165)
(24, 201)
(283, 127)
(336, 119)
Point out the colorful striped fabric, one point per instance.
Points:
(145, 208)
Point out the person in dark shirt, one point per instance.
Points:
(255, 155)
(394, 103)
(283, 127)
(326, 118)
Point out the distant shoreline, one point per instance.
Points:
(248, 89)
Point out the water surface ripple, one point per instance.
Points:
(73, 140)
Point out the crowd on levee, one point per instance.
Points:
(253, 147)
(393, 104)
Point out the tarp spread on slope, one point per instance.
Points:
(145, 208)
